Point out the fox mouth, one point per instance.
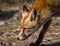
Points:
(25, 36)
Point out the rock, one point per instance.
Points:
(2, 23)
(14, 44)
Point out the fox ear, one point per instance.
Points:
(33, 14)
(25, 8)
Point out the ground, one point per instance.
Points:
(9, 29)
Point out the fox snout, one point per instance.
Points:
(24, 37)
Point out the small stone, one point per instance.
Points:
(14, 44)
(2, 23)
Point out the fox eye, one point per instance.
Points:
(25, 8)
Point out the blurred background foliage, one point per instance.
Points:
(15, 1)
(12, 3)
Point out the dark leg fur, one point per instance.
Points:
(42, 33)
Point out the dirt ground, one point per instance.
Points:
(9, 29)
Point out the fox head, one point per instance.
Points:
(28, 22)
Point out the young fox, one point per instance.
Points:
(39, 14)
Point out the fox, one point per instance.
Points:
(40, 14)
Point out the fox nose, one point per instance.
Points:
(21, 37)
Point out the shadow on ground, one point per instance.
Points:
(53, 44)
(7, 14)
